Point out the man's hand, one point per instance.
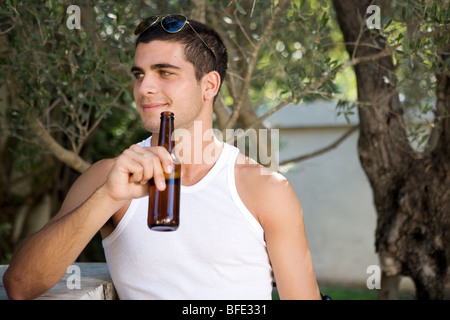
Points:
(133, 169)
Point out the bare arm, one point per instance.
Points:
(273, 202)
(42, 259)
(288, 248)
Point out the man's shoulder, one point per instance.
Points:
(260, 186)
(254, 174)
(267, 194)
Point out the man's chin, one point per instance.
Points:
(152, 125)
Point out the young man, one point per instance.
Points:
(240, 224)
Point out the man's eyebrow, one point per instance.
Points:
(155, 67)
(136, 69)
(164, 66)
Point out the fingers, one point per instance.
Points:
(158, 177)
(144, 164)
(165, 158)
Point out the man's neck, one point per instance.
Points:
(197, 149)
(201, 160)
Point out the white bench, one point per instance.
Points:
(91, 281)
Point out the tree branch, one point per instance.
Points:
(199, 11)
(70, 158)
(323, 150)
(221, 111)
(252, 64)
(313, 86)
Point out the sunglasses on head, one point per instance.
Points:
(171, 23)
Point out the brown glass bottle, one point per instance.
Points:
(164, 206)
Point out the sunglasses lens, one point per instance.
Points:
(173, 23)
(144, 25)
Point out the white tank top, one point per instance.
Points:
(218, 251)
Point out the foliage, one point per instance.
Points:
(68, 78)
(74, 80)
(419, 31)
(296, 54)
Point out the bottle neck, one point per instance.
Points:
(165, 131)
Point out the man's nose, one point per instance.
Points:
(148, 86)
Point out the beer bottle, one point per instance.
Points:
(164, 206)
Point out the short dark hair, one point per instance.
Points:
(195, 50)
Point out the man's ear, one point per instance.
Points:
(211, 82)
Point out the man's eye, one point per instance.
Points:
(165, 73)
(138, 75)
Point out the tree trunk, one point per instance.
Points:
(411, 193)
(389, 287)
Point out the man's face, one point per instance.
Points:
(165, 80)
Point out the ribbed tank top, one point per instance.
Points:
(218, 251)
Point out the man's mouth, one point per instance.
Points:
(152, 106)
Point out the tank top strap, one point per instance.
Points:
(230, 154)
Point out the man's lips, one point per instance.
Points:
(153, 105)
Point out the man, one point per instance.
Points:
(239, 224)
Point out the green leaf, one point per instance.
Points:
(240, 8)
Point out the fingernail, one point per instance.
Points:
(161, 185)
(169, 168)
